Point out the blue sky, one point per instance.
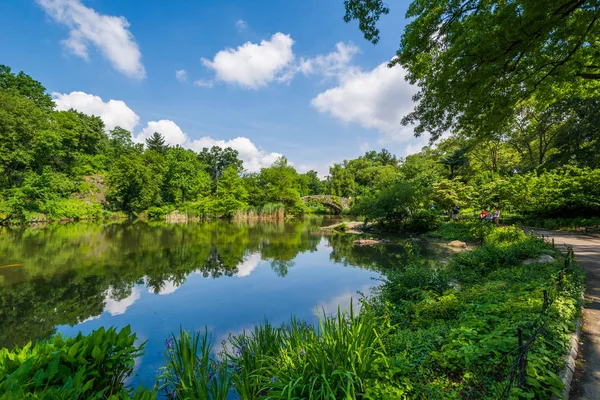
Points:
(265, 77)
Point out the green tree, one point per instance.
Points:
(133, 184)
(456, 160)
(577, 139)
(474, 61)
(121, 143)
(256, 193)
(83, 142)
(185, 178)
(280, 183)
(232, 194)
(392, 205)
(356, 177)
(315, 185)
(217, 160)
(341, 181)
(26, 86)
(156, 142)
(21, 124)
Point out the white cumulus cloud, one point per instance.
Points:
(113, 112)
(109, 34)
(252, 65)
(117, 113)
(254, 158)
(375, 99)
(332, 64)
(241, 25)
(181, 75)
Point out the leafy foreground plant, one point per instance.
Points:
(82, 367)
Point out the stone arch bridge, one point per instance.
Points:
(335, 203)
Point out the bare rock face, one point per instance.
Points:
(458, 244)
(543, 259)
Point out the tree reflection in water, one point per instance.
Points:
(74, 272)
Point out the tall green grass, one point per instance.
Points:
(191, 370)
(344, 357)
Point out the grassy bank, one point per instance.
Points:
(457, 327)
(447, 331)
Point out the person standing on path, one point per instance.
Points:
(497, 216)
(455, 211)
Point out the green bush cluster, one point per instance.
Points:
(466, 231)
(158, 213)
(83, 367)
(555, 223)
(456, 335)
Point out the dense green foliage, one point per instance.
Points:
(521, 105)
(65, 164)
(473, 175)
(456, 335)
(83, 367)
(477, 61)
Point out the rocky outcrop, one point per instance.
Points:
(457, 246)
(369, 242)
(348, 227)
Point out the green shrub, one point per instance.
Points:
(422, 221)
(471, 231)
(159, 213)
(83, 367)
(457, 325)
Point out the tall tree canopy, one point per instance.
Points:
(475, 60)
(217, 160)
(26, 86)
(156, 142)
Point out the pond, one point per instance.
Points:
(159, 277)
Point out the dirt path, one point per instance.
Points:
(586, 382)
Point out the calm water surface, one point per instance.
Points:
(158, 277)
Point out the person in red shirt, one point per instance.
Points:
(482, 215)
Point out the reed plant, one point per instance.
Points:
(191, 370)
(335, 360)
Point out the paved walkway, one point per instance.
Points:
(586, 382)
